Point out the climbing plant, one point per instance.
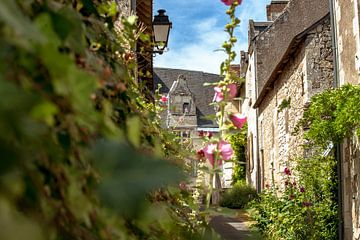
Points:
(306, 205)
(82, 152)
(217, 149)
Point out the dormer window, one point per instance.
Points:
(186, 107)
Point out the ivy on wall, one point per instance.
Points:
(305, 206)
(82, 153)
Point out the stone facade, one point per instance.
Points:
(347, 38)
(181, 109)
(288, 60)
(189, 108)
(276, 43)
(308, 71)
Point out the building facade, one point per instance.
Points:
(188, 108)
(288, 61)
(305, 48)
(347, 48)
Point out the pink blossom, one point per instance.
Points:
(219, 95)
(238, 120)
(229, 2)
(287, 171)
(209, 134)
(183, 186)
(224, 148)
(163, 99)
(201, 133)
(226, 151)
(200, 154)
(209, 151)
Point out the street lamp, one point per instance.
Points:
(161, 30)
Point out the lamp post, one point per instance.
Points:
(161, 30)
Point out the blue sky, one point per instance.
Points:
(198, 31)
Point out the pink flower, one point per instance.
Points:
(224, 148)
(219, 95)
(238, 120)
(200, 154)
(226, 151)
(163, 99)
(182, 186)
(209, 134)
(229, 2)
(209, 151)
(287, 171)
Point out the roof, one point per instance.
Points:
(203, 96)
(275, 43)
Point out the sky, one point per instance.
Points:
(198, 31)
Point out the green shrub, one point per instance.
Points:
(238, 196)
(238, 143)
(306, 209)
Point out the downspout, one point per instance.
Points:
(258, 170)
(337, 154)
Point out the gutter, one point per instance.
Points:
(258, 157)
(337, 153)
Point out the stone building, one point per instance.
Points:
(347, 69)
(188, 108)
(143, 9)
(288, 61)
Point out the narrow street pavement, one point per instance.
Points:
(234, 228)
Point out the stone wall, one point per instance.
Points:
(275, 43)
(319, 59)
(348, 46)
(307, 72)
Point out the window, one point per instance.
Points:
(186, 108)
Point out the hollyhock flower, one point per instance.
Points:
(200, 154)
(201, 133)
(238, 120)
(287, 171)
(229, 2)
(224, 148)
(182, 186)
(219, 95)
(209, 134)
(226, 151)
(209, 151)
(302, 189)
(163, 99)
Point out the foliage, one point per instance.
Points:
(286, 103)
(238, 142)
(303, 209)
(311, 212)
(238, 196)
(333, 115)
(82, 153)
(217, 149)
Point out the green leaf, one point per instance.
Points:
(134, 125)
(11, 15)
(127, 176)
(45, 111)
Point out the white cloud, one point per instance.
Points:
(206, 35)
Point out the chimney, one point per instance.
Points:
(275, 8)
